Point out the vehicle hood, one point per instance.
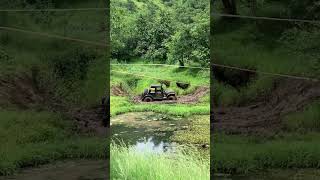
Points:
(169, 92)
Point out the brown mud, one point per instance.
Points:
(118, 91)
(20, 90)
(90, 120)
(265, 114)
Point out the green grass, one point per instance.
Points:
(31, 138)
(197, 133)
(305, 121)
(244, 155)
(130, 164)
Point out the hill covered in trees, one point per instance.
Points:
(163, 31)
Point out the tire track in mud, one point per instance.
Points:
(264, 115)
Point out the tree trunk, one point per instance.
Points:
(181, 62)
(253, 6)
(230, 6)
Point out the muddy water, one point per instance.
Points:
(67, 170)
(146, 131)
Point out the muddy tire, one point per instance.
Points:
(171, 98)
(147, 99)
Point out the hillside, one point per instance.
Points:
(274, 116)
(51, 88)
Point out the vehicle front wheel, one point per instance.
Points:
(148, 99)
(172, 98)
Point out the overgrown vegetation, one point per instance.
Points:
(269, 46)
(65, 75)
(161, 31)
(130, 164)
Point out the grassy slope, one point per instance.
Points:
(242, 44)
(32, 137)
(255, 45)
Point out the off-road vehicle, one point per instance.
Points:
(156, 92)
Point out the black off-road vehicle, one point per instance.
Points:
(156, 92)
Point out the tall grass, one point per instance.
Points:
(130, 164)
(31, 138)
(241, 155)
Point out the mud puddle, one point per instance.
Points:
(147, 132)
(66, 170)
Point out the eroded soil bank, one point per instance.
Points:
(264, 115)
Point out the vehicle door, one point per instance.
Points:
(158, 94)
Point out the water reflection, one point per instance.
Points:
(152, 144)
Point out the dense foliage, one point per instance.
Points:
(163, 31)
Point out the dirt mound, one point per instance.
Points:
(265, 115)
(117, 90)
(186, 99)
(194, 97)
(90, 120)
(20, 90)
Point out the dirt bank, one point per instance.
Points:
(21, 91)
(264, 115)
(89, 120)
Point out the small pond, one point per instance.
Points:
(147, 131)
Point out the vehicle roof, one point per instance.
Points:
(155, 85)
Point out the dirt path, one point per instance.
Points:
(67, 170)
(265, 115)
